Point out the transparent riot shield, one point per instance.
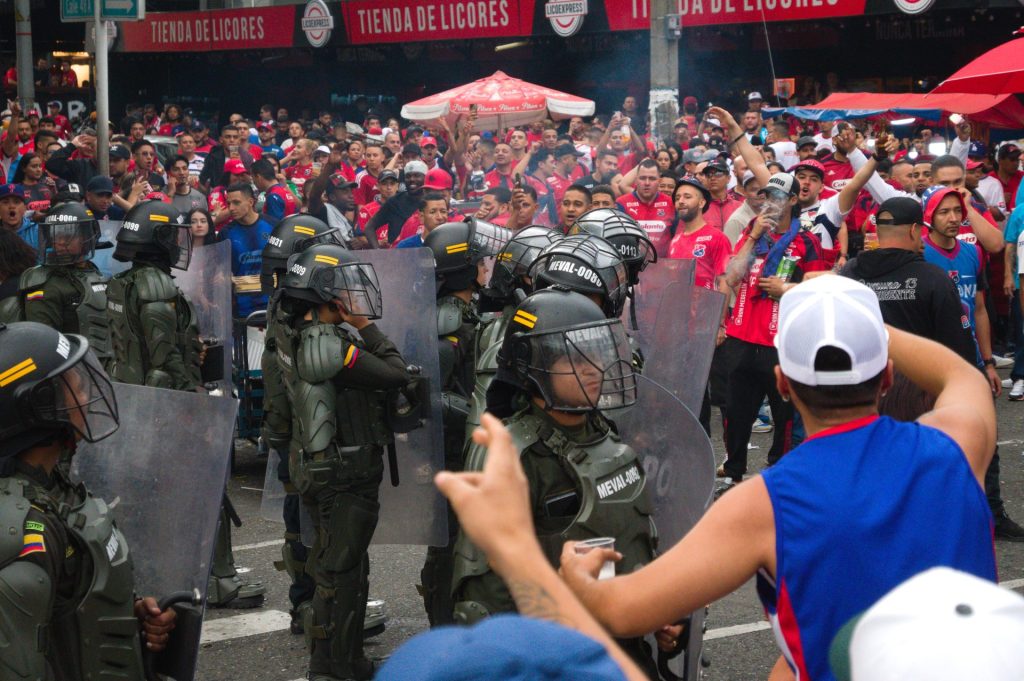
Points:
(207, 285)
(103, 258)
(414, 511)
(163, 474)
(680, 467)
(678, 323)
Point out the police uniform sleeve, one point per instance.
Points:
(325, 354)
(30, 568)
(277, 412)
(42, 300)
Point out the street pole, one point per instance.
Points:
(23, 54)
(664, 98)
(102, 91)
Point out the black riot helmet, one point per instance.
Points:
(51, 386)
(292, 235)
(155, 232)
(512, 265)
(458, 248)
(69, 234)
(623, 232)
(586, 264)
(327, 272)
(559, 346)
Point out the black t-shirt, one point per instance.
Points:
(394, 212)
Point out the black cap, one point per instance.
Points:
(805, 141)
(567, 150)
(718, 164)
(387, 174)
(198, 125)
(697, 184)
(902, 210)
(1008, 150)
(412, 150)
(339, 181)
(120, 151)
(101, 184)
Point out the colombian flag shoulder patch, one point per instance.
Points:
(33, 543)
(351, 356)
(35, 295)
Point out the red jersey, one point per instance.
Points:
(218, 201)
(1010, 188)
(365, 213)
(709, 247)
(560, 184)
(755, 317)
(299, 174)
(627, 162)
(719, 212)
(412, 227)
(495, 178)
(837, 173)
(655, 217)
(367, 190)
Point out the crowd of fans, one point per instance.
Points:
(759, 202)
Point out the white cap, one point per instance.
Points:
(754, 95)
(831, 311)
(940, 625)
(323, 149)
(416, 167)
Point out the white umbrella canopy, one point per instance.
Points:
(501, 102)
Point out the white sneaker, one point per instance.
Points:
(1017, 391)
(1002, 362)
(1007, 382)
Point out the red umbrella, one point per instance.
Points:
(1000, 71)
(501, 102)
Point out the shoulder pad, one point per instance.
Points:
(449, 318)
(524, 429)
(14, 508)
(152, 284)
(34, 276)
(321, 353)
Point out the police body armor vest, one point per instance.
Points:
(126, 293)
(88, 313)
(340, 431)
(276, 428)
(489, 340)
(608, 499)
(104, 617)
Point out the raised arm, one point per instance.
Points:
(738, 142)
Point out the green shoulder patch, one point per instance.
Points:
(34, 526)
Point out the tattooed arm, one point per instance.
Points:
(494, 511)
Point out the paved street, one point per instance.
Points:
(256, 645)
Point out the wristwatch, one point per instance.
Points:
(990, 361)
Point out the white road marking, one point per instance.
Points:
(1009, 442)
(258, 545)
(1012, 584)
(253, 489)
(736, 630)
(240, 626)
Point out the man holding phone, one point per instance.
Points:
(230, 147)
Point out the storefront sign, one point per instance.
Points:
(317, 23)
(393, 21)
(913, 6)
(232, 29)
(566, 16)
(634, 15)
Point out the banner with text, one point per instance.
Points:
(230, 29)
(399, 21)
(634, 15)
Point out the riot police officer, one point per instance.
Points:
(340, 384)
(562, 364)
(67, 604)
(66, 292)
(153, 325)
(586, 264)
(291, 235)
(459, 250)
(623, 232)
(155, 338)
(509, 280)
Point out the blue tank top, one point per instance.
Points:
(859, 509)
(247, 242)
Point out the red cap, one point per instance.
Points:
(689, 99)
(971, 165)
(427, 140)
(438, 179)
(375, 130)
(158, 196)
(809, 164)
(263, 125)
(234, 166)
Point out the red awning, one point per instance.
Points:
(998, 71)
(1003, 111)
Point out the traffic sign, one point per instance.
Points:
(111, 10)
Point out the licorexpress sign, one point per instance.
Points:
(317, 23)
(566, 16)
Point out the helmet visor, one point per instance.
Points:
(80, 396)
(584, 368)
(358, 289)
(183, 241)
(487, 239)
(331, 236)
(65, 243)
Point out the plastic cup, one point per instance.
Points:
(588, 545)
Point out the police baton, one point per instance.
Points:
(393, 464)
